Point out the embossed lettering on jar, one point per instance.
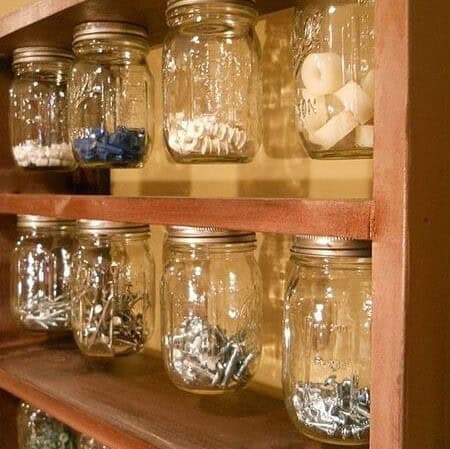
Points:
(111, 96)
(112, 289)
(333, 43)
(38, 109)
(327, 334)
(211, 309)
(41, 273)
(212, 81)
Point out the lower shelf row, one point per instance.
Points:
(96, 278)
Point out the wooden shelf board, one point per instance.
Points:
(51, 22)
(130, 403)
(347, 218)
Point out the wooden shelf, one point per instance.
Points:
(350, 218)
(51, 22)
(131, 403)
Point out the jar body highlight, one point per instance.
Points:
(333, 44)
(212, 84)
(112, 294)
(327, 333)
(211, 316)
(40, 276)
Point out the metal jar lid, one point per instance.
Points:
(41, 54)
(331, 246)
(197, 235)
(110, 227)
(174, 4)
(36, 221)
(126, 32)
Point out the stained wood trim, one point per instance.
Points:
(351, 218)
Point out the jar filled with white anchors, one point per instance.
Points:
(211, 306)
(113, 288)
(111, 108)
(38, 109)
(333, 44)
(212, 85)
(41, 272)
(327, 339)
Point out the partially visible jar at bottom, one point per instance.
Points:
(113, 288)
(211, 309)
(87, 442)
(37, 430)
(327, 339)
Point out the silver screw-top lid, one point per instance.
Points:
(173, 4)
(188, 234)
(36, 221)
(125, 32)
(41, 54)
(110, 227)
(331, 246)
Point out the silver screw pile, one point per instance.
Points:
(205, 357)
(333, 409)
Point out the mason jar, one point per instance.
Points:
(87, 442)
(211, 309)
(113, 288)
(38, 109)
(327, 334)
(41, 273)
(111, 95)
(37, 430)
(212, 83)
(333, 45)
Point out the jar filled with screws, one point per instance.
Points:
(41, 272)
(212, 84)
(111, 95)
(37, 430)
(38, 109)
(211, 309)
(333, 45)
(112, 289)
(86, 442)
(327, 334)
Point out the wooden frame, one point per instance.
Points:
(408, 220)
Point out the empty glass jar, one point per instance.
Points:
(37, 430)
(112, 289)
(40, 273)
(327, 334)
(212, 83)
(211, 309)
(38, 108)
(111, 95)
(333, 44)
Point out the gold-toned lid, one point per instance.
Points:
(37, 221)
(110, 227)
(174, 4)
(126, 32)
(41, 54)
(331, 246)
(189, 234)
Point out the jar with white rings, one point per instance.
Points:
(41, 273)
(333, 46)
(38, 109)
(327, 339)
(112, 288)
(212, 85)
(211, 309)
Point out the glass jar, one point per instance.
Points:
(327, 333)
(90, 443)
(112, 289)
(333, 43)
(37, 430)
(211, 309)
(111, 96)
(212, 84)
(38, 109)
(41, 272)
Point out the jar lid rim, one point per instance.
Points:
(41, 54)
(38, 220)
(173, 4)
(103, 29)
(208, 234)
(85, 225)
(331, 245)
